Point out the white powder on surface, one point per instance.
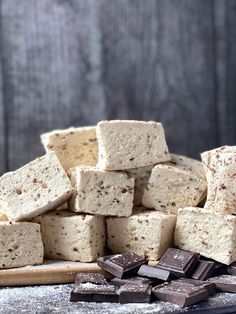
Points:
(224, 279)
(55, 299)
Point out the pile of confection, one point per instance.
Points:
(180, 277)
(115, 186)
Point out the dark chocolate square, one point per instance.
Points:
(90, 292)
(155, 273)
(121, 265)
(134, 293)
(209, 286)
(203, 270)
(131, 280)
(179, 293)
(178, 262)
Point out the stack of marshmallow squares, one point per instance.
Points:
(116, 186)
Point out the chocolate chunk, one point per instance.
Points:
(121, 265)
(90, 292)
(178, 262)
(155, 273)
(95, 278)
(134, 293)
(225, 283)
(232, 269)
(132, 280)
(203, 270)
(179, 293)
(209, 286)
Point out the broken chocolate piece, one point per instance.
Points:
(132, 280)
(134, 293)
(121, 265)
(178, 262)
(203, 270)
(209, 286)
(91, 292)
(155, 273)
(179, 293)
(226, 283)
(232, 269)
(95, 278)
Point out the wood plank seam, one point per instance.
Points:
(215, 81)
(4, 93)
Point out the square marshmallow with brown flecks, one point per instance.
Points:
(72, 237)
(127, 144)
(171, 187)
(220, 168)
(146, 233)
(39, 186)
(209, 233)
(21, 244)
(73, 146)
(101, 192)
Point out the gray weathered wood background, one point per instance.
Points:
(74, 62)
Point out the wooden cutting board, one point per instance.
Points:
(50, 272)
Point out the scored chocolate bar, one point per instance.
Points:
(179, 293)
(226, 283)
(178, 262)
(155, 273)
(131, 280)
(134, 293)
(203, 270)
(121, 265)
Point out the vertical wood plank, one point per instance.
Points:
(75, 62)
(225, 42)
(51, 51)
(159, 64)
(219, 18)
(3, 156)
(3, 153)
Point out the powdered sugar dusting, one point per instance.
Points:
(224, 279)
(55, 299)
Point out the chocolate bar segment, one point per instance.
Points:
(179, 293)
(95, 278)
(226, 283)
(90, 292)
(178, 262)
(155, 273)
(121, 265)
(203, 270)
(134, 293)
(132, 280)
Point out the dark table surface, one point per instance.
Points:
(55, 299)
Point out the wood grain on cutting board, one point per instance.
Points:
(50, 272)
